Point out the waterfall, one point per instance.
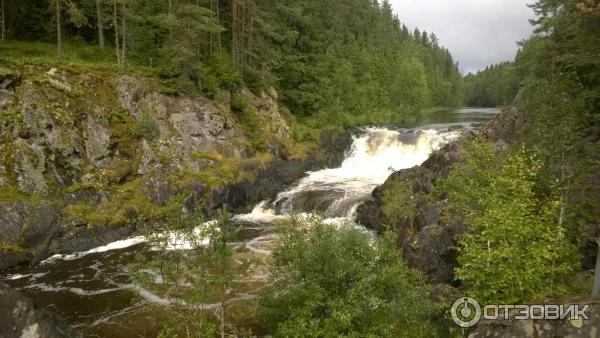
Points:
(337, 192)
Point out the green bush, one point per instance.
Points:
(399, 203)
(508, 222)
(145, 126)
(332, 282)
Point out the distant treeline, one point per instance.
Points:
(496, 85)
(335, 58)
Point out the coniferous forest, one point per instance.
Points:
(343, 59)
(305, 168)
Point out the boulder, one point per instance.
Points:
(97, 140)
(21, 318)
(427, 240)
(157, 190)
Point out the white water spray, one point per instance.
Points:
(374, 155)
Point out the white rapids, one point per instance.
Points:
(336, 193)
(333, 193)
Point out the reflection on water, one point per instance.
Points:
(462, 117)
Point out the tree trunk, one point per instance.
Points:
(222, 313)
(596, 286)
(210, 44)
(234, 33)
(59, 29)
(218, 23)
(124, 31)
(170, 17)
(3, 38)
(100, 22)
(116, 25)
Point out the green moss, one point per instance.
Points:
(127, 204)
(145, 126)
(12, 249)
(250, 123)
(20, 54)
(12, 194)
(208, 155)
(81, 186)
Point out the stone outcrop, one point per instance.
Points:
(88, 157)
(427, 241)
(20, 318)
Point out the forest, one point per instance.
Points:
(359, 65)
(513, 203)
(495, 86)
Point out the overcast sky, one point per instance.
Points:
(477, 32)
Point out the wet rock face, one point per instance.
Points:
(9, 80)
(27, 229)
(268, 181)
(428, 242)
(20, 318)
(78, 141)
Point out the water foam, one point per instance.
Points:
(374, 155)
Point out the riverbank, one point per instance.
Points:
(93, 156)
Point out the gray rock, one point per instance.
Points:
(5, 96)
(157, 190)
(197, 191)
(21, 318)
(76, 238)
(149, 161)
(40, 228)
(429, 246)
(129, 90)
(432, 252)
(30, 167)
(12, 217)
(97, 140)
(9, 78)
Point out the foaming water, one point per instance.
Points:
(101, 278)
(334, 193)
(374, 155)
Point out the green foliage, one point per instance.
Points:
(193, 264)
(399, 203)
(77, 54)
(508, 223)
(250, 123)
(358, 66)
(127, 203)
(495, 86)
(145, 126)
(219, 72)
(560, 97)
(330, 282)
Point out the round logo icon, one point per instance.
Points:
(465, 312)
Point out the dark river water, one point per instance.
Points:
(93, 291)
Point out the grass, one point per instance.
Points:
(127, 203)
(12, 194)
(76, 54)
(11, 249)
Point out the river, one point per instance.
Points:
(92, 291)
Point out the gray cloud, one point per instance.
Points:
(477, 32)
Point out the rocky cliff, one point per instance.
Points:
(21, 318)
(88, 156)
(428, 241)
